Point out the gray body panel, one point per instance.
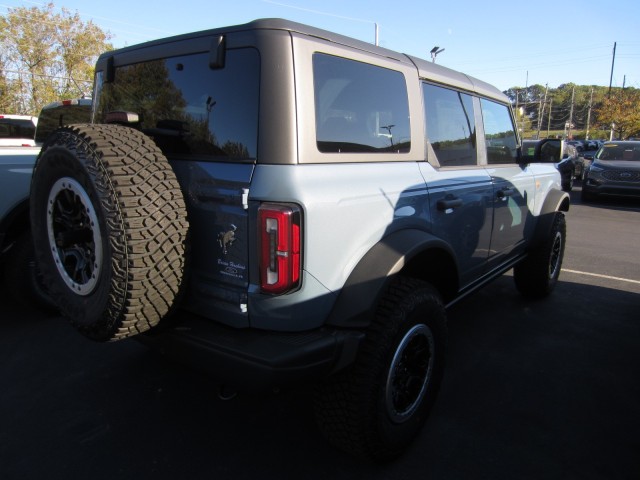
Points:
(356, 207)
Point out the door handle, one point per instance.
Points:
(449, 203)
(505, 192)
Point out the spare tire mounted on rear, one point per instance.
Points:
(110, 229)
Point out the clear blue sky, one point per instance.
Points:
(506, 43)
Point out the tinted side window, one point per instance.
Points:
(499, 133)
(450, 125)
(359, 107)
(189, 109)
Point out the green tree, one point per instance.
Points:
(46, 56)
(589, 108)
(622, 110)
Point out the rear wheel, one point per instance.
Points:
(377, 407)
(110, 229)
(537, 275)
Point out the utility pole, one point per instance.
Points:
(377, 31)
(613, 60)
(573, 94)
(586, 136)
(549, 117)
(541, 109)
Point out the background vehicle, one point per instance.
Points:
(579, 145)
(615, 170)
(271, 186)
(17, 259)
(569, 164)
(17, 130)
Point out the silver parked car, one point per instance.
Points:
(615, 170)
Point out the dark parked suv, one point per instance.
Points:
(275, 203)
(615, 171)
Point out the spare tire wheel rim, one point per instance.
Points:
(409, 373)
(74, 235)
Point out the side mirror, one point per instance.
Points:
(548, 150)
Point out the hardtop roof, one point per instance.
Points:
(426, 70)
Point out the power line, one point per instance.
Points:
(24, 72)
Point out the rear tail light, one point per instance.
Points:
(280, 247)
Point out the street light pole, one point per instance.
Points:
(434, 53)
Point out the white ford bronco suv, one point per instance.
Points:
(273, 203)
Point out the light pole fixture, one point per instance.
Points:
(434, 53)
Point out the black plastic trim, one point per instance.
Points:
(253, 360)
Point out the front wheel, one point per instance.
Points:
(376, 408)
(567, 186)
(537, 275)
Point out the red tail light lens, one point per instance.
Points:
(280, 241)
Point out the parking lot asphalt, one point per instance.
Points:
(533, 390)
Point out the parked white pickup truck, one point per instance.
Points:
(17, 130)
(17, 265)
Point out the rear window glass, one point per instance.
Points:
(189, 109)
(55, 117)
(17, 128)
(360, 107)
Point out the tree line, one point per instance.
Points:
(47, 55)
(577, 111)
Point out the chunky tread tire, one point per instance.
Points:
(536, 276)
(139, 272)
(353, 408)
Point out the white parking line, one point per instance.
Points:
(608, 277)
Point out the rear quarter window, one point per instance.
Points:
(359, 108)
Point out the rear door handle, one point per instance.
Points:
(449, 203)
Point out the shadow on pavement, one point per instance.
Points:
(548, 389)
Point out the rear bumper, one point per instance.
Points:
(253, 360)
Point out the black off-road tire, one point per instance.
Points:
(22, 277)
(568, 185)
(537, 275)
(110, 229)
(376, 407)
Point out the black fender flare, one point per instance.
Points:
(360, 294)
(556, 201)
